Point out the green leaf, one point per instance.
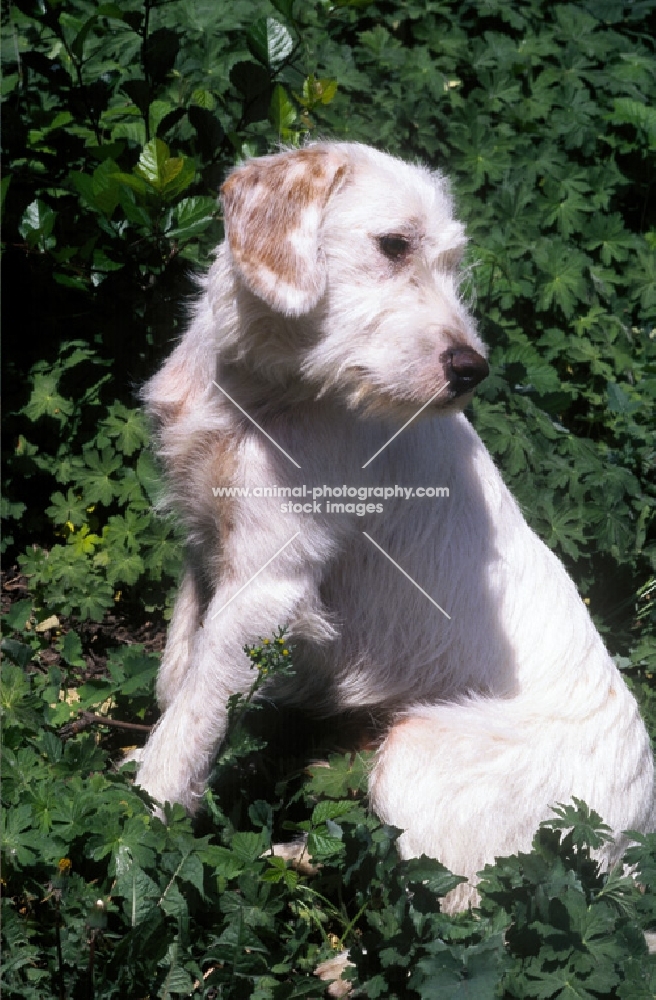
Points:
(126, 426)
(252, 80)
(586, 826)
(131, 188)
(45, 399)
(564, 284)
(98, 481)
(93, 598)
(168, 175)
(18, 615)
(18, 838)
(133, 131)
(329, 809)
(139, 92)
(194, 215)
(208, 128)
(18, 652)
(569, 213)
(456, 974)
(322, 846)
(270, 42)
(157, 112)
(77, 45)
(103, 265)
(191, 870)
(37, 218)
(14, 688)
(225, 862)
(278, 873)
(203, 99)
(608, 235)
(282, 113)
(71, 649)
(249, 846)
(124, 567)
(110, 10)
(123, 531)
(644, 280)
(173, 902)
(627, 111)
(620, 402)
(134, 669)
(37, 224)
(4, 187)
(344, 775)
(177, 981)
(317, 91)
(154, 164)
(160, 51)
(69, 509)
(432, 874)
(285, 7)
(139, 891)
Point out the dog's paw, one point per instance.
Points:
(295, 852)
(331, 971)
(133, 755)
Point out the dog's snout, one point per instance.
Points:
(464, 369)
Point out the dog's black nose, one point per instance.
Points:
(464, 369)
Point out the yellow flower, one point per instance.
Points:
(285, 652)
(64, 865)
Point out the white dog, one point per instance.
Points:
(330, 318)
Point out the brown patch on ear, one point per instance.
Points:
(273, 212)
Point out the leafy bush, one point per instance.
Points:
(110, 536)
(119, 124)
(102, 899)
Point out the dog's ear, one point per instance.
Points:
(273, 209)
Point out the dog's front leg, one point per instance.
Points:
(179, 643)
(178, 756)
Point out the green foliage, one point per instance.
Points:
(109, 538)
(102, 899)
(120, 122)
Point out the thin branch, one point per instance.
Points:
(86, 719)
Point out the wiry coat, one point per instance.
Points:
(330, 316)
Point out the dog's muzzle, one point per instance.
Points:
(464, 369)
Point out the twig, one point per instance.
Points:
(91, 719)
(92, 956)
(60, 958)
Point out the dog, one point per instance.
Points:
(330, 356)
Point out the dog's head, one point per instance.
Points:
(357, 254)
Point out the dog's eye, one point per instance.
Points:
(394, 246)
